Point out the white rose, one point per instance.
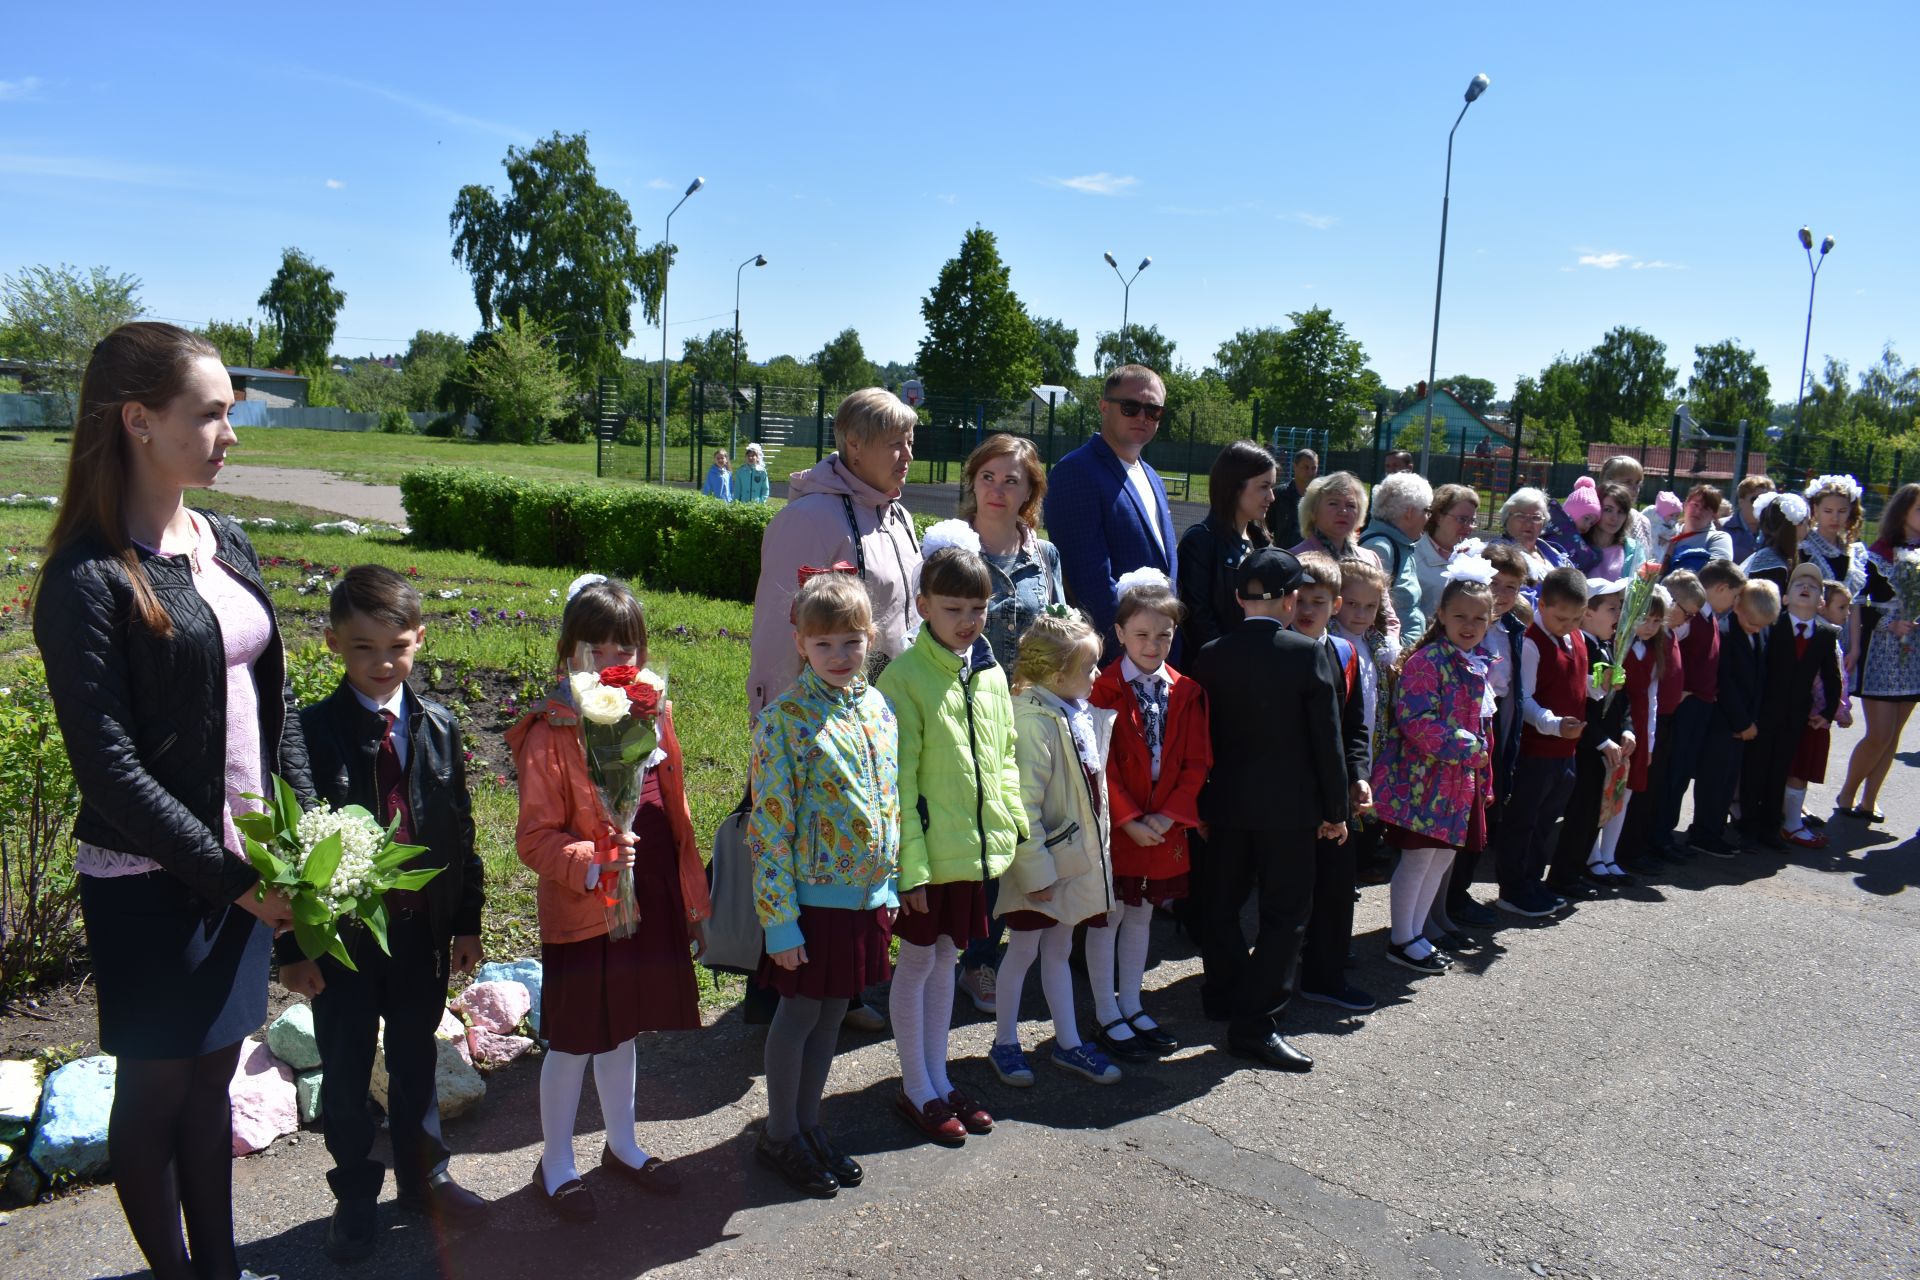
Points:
(583, 681)
(603, 705)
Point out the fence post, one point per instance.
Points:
(1193, 428)
(1673, 451)
(1740, 453)
(759, 415)
(696, 430)
(1893, 482)
(1047, 459)
(1513, 472)
(1256, 425)
(1033, 411)
(1833, 455)
(1867, 466)
(648, 455)
(820, 424)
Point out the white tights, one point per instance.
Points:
(921, 1007)
(1052, 947)
(1417, 881)
(1117, 958)
(561, 1077)
(1608, 842)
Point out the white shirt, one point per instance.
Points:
(1149, 500)
(397, 704)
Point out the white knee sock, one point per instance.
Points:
(614, 1075)
(1023, 945)
(561, 1076)
(1056, 979)
(1100, 974)
(1406, 906)
(1433, 884)
(1608, 841)
(907, 1008)
(1793, 818)
(1130, 955)
(939, 1014)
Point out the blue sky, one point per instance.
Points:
(1632, 163)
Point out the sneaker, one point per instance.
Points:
(1430, 963)
(1087, 1062)
(1010, 1065)
(1473, 915)
(1525, 904)
(864, 1017)
(1352, 999)
(982, 986)
(1712, 846)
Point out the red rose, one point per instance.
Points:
(644, 699)
(619, 677)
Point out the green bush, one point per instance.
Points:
(40, 935)
(395, 422)
(670, 538)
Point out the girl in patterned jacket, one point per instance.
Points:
(1433, 779)
(825, 840)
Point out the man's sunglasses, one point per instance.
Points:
(1134, 408)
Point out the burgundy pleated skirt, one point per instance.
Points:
(1810, 760)
(1134, 890)
(846, 954)
(957, 911)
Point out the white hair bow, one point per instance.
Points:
(1793, 507)
(1145, 576)
(582, 582)
(1845, 485)
(1469, 569)
(950, 533)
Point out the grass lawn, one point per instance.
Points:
(488, 651)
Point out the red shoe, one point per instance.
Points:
(935, 1121)
(971, 1113)
(1805, 839)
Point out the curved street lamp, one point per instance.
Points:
(666, 266)
(1813, 268)
(733, 398)
(1126, 293)
(1476, 87)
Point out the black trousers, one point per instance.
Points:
(1715, 780)
(1580, 823)
(1686, 737)
(1323, 965)
(409, 990)
(1763, 778)
(1541, 785)
(1251, 989)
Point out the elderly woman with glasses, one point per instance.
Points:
(1522, 519)
(1451, 517)
(1334, 506)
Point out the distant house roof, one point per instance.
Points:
(1052, 392)
(283, 375)
(1453, 412)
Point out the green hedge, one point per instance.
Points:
(672, 538)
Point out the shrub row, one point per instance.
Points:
(669, 538)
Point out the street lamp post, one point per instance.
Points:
(1126, 292)
(666, 266)
(733, 399)
(1813, 268)
(1477, 87)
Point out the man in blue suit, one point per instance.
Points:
(1106, 510)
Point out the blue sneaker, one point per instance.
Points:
(1087, 1061)
(1010, 1065)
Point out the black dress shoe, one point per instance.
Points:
(572, 1201)
(1272, 1051)
(1132, 1049)
(351, 1233)
(445, 1200)
(845, 1169)
(795, 1162)
(1156, 1038)
(656, 1176)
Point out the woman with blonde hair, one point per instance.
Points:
(1333, 508)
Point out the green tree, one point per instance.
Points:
(1140, 344)
(979, 340)
(710, 359)
(1729, 384)
(1626, 377)
(55, 315)
(1475, 393)
(1242, 359)
(372, 387)
(560, 245)
(304, 305)
(519, 380)
(242, 342)
(1316, 377)
(843, 362)
(433, 363)
(1057, 348)
(1889, 391)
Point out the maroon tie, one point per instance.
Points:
(391, 781)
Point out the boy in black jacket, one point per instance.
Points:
(1736, 717)
(374, 744)
(1803, 696)
(1602, 743)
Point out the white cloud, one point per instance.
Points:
(1613, 259)
(334, 184)
(1605, 261)
(1318, 221)
(19, 90)
(659, 184)
(1096, 184)
(433, 110)
(948, 198)
(1657, 265)
(94, 169)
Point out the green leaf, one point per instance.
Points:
(338, 950)
(374, 915)
(323, 862)
(308, 908)
(414, 879)
(261, 826)
(395, 856)
(288, 803)
(312, 938)
(272, 870)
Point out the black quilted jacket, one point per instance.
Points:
(145, 717)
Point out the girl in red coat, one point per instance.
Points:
(1159, 759)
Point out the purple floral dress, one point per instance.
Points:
(1432, 778)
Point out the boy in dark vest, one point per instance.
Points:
(1552, 684)
(375, 744)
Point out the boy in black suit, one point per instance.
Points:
(1736, 718)
(375, 744)
(1803, 650)
(1279, 783)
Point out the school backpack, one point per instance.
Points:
(734, 936)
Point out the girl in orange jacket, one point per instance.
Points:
(598, 993)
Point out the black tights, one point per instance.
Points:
(170, 1141)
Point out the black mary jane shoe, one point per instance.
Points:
(1132, 1049)
(794, 1161)
(1156, 1038)
(656, 1176)
(845, 1169)
(573, 1202)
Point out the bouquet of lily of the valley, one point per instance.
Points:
(1906, 584)
(619, 727)
(1613, 791)
(335, 865)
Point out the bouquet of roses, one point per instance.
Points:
(334, 864)
(1906, 584)
(619, 727)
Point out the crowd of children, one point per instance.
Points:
(1297, 748)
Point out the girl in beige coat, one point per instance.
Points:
(1062, 875)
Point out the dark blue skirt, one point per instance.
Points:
(176, 978)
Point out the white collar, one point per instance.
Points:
(1130, 673)
(1069, 709)
(397, 704)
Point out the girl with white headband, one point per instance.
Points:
(1783, 523)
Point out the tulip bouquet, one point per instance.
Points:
(334, 864)
(619, 727)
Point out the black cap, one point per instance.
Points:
(1277, 572)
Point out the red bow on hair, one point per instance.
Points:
(807, 572)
